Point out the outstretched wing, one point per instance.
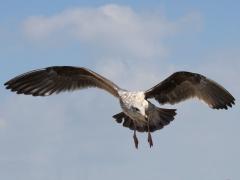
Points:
(184, 85)
(44, 82)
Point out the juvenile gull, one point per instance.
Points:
(138, 114)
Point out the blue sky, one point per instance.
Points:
(136, 44)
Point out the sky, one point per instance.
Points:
(136, 44)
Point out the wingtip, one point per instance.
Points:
(225, 106)
(7, 87)
(231, 104)
(6, 84)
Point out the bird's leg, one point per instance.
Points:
(150, 141)
(135, 137)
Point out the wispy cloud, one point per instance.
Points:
(112, 28)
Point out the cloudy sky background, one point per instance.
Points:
(136, 44)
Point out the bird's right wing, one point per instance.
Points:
(56, 79)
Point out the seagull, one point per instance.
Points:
(138, 113)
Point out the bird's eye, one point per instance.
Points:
(135, 109)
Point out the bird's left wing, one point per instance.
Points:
(56, 79)
(184, 85)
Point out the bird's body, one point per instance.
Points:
(138, 114)
(134, 105)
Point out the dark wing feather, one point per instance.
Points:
(184, 85)
(44, 82)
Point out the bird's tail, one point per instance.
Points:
(160, 117)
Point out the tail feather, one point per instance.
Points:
(158, 118)
(127, 121)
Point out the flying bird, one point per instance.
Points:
(138, 113)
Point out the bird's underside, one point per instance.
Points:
(138, 113)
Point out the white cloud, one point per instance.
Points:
(112, 28)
